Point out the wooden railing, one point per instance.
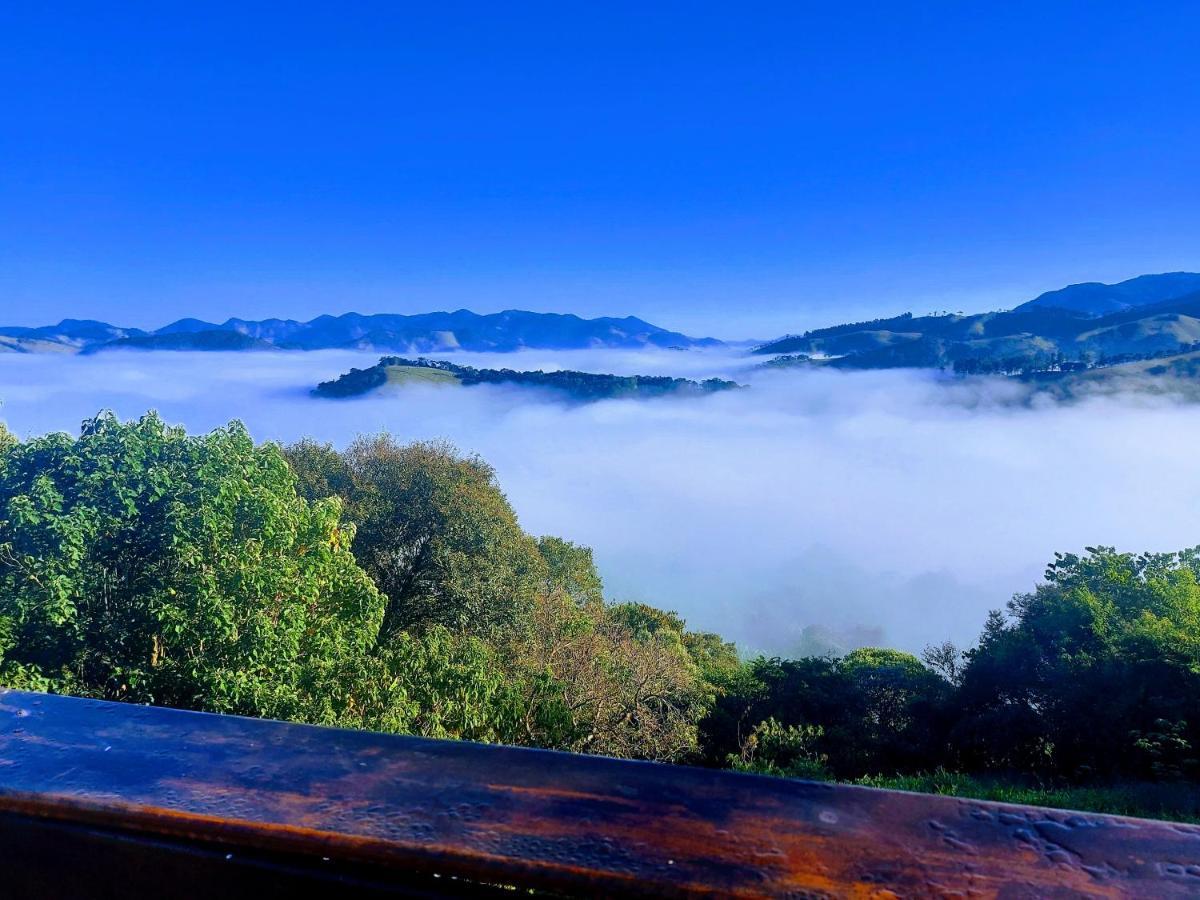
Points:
(111, 800)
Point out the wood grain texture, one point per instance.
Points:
(575, 824)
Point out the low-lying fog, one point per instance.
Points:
(889, 507)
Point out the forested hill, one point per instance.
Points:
(397, 371)
(423, 333)
(1087, 324)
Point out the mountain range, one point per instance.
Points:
(1148, 316)
(422, 333)
(1092, 298)
(1145, 316)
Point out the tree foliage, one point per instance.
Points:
(1094, 673)
(138, 563)
(786, 750)
(876, 710)
(390, 587)
(571, 570)
(594, 684)
(434, 531)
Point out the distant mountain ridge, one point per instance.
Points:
(392, 333)
(1138, 318)
(1095, 299)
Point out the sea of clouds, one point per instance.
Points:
(888, 507)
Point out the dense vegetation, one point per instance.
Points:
(580, 386)
(391, 587)
(140, 563)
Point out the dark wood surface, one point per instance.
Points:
(97, 792)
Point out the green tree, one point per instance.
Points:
(793, 692)
(716, 658)
(570, 568)
(902, 708)
(438, 683)
(877, 710)
(593, 684)
(434, 531)
(138, 563)
(784, 750)
(1094, 673)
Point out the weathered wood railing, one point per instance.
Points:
(111, 800)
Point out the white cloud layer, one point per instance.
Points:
(892, 505)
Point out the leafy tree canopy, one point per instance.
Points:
(391, 587)
(139, 563)
(433, 530)
(1109, 644)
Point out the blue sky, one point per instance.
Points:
(729, 169)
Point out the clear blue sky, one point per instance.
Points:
(731, 169)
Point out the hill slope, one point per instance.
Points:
(195, 340)
(395, 371)
(1035, 335)
(1177, 375)
(1096, 299)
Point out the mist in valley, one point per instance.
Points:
(814, 508)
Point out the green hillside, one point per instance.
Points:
(199, 340)
(10, 344)
(403, 376)
(1168, 331)
(1032, 338)
(1177, 375)
(394, 372)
